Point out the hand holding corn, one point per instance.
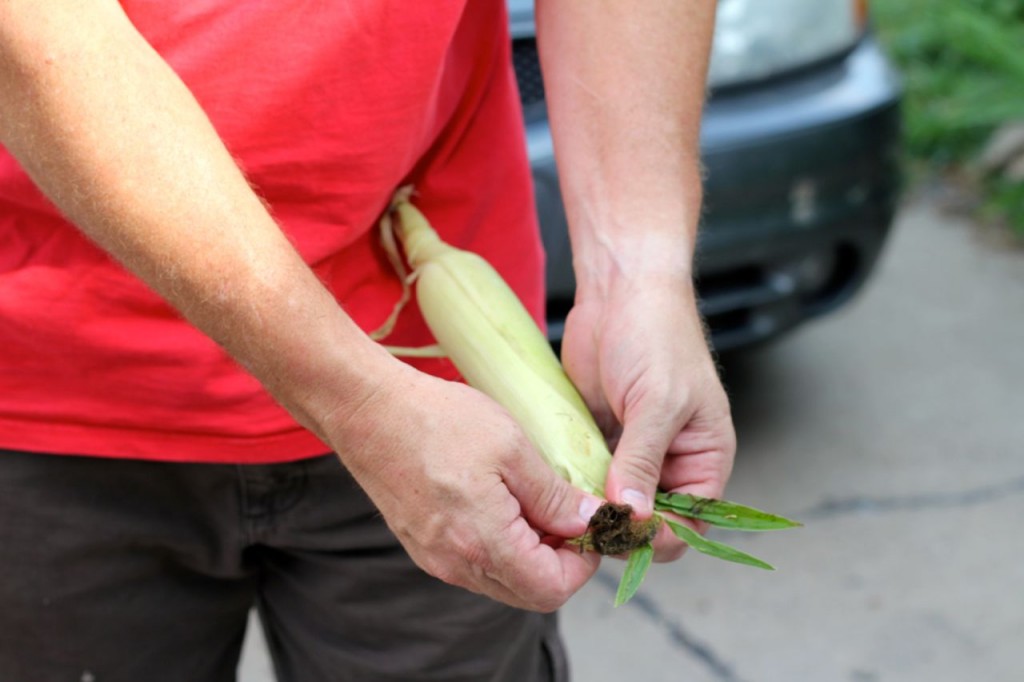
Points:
(462, 488)
(636, 351)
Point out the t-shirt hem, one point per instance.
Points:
(164, 446)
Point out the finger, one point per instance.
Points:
(541, 577)
(636, 467)
(667, 547)
(700, 459)
(508, 562)
(547, 500)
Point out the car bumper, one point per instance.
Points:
(802, 184)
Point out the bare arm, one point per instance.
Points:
(626, 87)
(115, 139)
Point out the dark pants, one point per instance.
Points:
(122, 571)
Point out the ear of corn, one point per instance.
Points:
(481, 325)
(493, 341)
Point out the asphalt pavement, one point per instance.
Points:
(894, 430)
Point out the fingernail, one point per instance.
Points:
(636, 499)
(589, 507)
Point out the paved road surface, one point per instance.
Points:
(895, 431)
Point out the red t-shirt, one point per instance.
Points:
(328, 107)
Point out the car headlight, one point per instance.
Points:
(755, 39)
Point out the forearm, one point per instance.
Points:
(115, 139)
(625, 86)
(110, 133)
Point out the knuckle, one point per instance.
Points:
(641, 468)
(459, 557)
(442, 570)
(446, 575)
(474, 552)
(506, 443)
(551, 499)
(513, 443)
(555, 594)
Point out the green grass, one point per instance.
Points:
(963, 68)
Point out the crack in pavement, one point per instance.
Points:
(831, 508)
(826, 509)
(683, 640)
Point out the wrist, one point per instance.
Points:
(366, 421)
(624, 237)
(336, 394)
(287, 330)
(643, 258)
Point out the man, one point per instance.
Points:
(153, 489)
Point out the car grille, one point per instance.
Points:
(527, 66)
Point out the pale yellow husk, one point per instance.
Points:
(481, 325)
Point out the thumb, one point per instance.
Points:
(549, 502)
(636, 467)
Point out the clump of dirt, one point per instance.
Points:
(612, 530)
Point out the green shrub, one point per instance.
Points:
(963, 68)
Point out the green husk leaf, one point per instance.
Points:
(716, 549)
(721, 513)
(636, 568)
